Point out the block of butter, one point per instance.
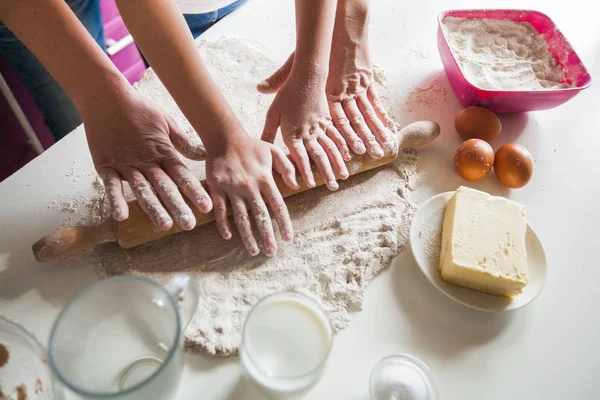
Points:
(483, 243)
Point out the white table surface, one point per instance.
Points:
(548, 350)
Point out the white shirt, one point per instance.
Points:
(201, 6)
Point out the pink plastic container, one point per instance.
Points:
(506, 101)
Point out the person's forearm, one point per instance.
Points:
(314, 29)
(352, 21)
(350, 44)
(54, 34)
(169, 48)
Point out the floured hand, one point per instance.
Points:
(241, 172)
(300, 109)
(136, 142)
(354, 105)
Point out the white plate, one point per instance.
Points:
(425, 241)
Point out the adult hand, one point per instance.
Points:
(300, 109)
(135, 141)
(241, 172)
(354, 105)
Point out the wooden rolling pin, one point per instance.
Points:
(138, 229)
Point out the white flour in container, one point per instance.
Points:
(342, 239)
(502, 54)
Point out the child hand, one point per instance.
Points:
(300, 109)
(241, 172)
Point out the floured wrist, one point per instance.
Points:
(310, 72)
(220, 139)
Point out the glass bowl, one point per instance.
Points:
(402, 377)
(24, 369)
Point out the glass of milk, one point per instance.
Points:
(286, 340)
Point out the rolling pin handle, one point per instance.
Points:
(72, 241)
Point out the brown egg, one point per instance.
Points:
(474, 159)
(513, 165)
(477, 123)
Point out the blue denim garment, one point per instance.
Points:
(199, 23)
(60, 115)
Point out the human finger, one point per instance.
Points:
(362, 130)
(264, 226)
(274, 200)
(382, 134)
(147, 199)
(189, 146)
(319, 156)
(283, 166)
(273, 83)
(219, 201)
(242, 221)
(113, 186)
(339, 141)
(342, 124)
(188, 184)
(271, 126)
(300, 156)
(171, 198)
(334, 155)
(375, 100)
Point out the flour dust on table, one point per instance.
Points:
(342, 239)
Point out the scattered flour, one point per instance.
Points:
(502, 54)
(84, 209)
(433, 96)
(342, 239)
(431, 236)
(415, 55)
